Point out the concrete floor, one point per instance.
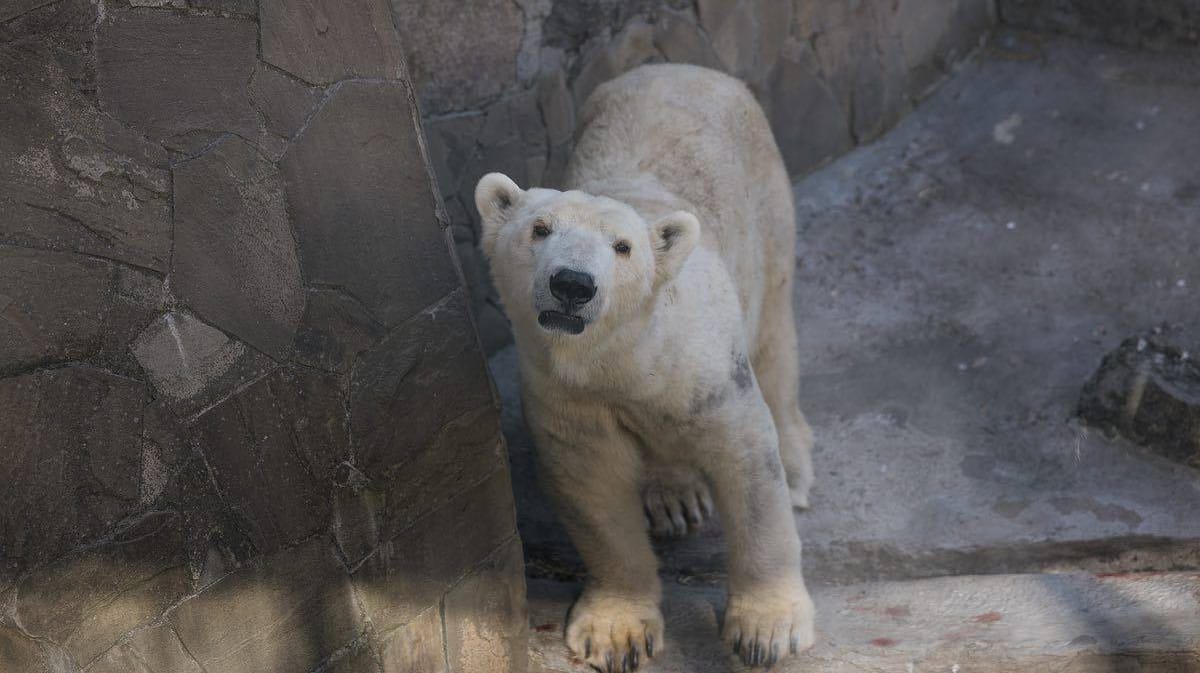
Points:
(958, 281)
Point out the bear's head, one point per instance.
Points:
(572, 262)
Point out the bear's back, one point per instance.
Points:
(682, 136)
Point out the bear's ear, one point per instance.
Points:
(674, 236)
(496, 197)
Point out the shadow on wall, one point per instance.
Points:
(131, 604)
(501, 83)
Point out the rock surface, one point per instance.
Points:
(220, 234)
(1149, 392)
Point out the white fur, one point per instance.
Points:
(681, 388)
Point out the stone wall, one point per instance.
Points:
(500, 81)
(1156, 24)
(245, 422)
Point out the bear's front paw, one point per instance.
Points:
(613, 633)
(763, 626)
(677, 503)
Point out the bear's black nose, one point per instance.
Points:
(572, 288)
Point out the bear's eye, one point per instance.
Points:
(621, 247)
(540, 230)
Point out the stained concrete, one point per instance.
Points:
(958, 281)
(966, 624)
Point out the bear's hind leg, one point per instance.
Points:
(776, 365)
(677, 501)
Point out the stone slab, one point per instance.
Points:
(954, 292)
(235, 260)
(1071, 623)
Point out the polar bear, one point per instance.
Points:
(651, 303)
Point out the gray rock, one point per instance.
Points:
(240, 7)
(556, 105)
(1149, 392)
(21, 652)
(16, 8)
(487, 625)
(809, 124)
(324, 41)
(155, 649)
(429, 373)
(235, 257)
(87, 600)
(272, 450)
(408, 575)
(631, 47)
(461, 68)
(773, 19)
(73, 464)
(335, 329)
(360, 198)
(67, 31)
(284, 101)
(71, 178)
(734, 35)
(416, 646)
(191, 363)
(41, 299)
(181, 80)
(678, 37)
(287, 614)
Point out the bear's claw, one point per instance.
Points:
(612, 633)
(762, 629)
(677, 506)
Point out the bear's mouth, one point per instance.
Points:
(557, 321)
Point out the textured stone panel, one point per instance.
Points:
(72, 179)
(407, 389)
(287, 614)
(410, 573)
(334, 330)
(633, 46)
(87, 600)
(72, 461)
(239, 7)
(272, 450)
(323, 41)
(41, 294)
(191, 363)
(416, 647)
(154, 649)
(556, 105)
(361, 201)
(806, 119)
(66, 29)
(181, 80)
(487, 625)
(678, 37)
(235, 258)
(734, 34)
(465, 66)
(20, 653)
(773, 19)
(284, 101)
(369, 512)
(359, 658)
